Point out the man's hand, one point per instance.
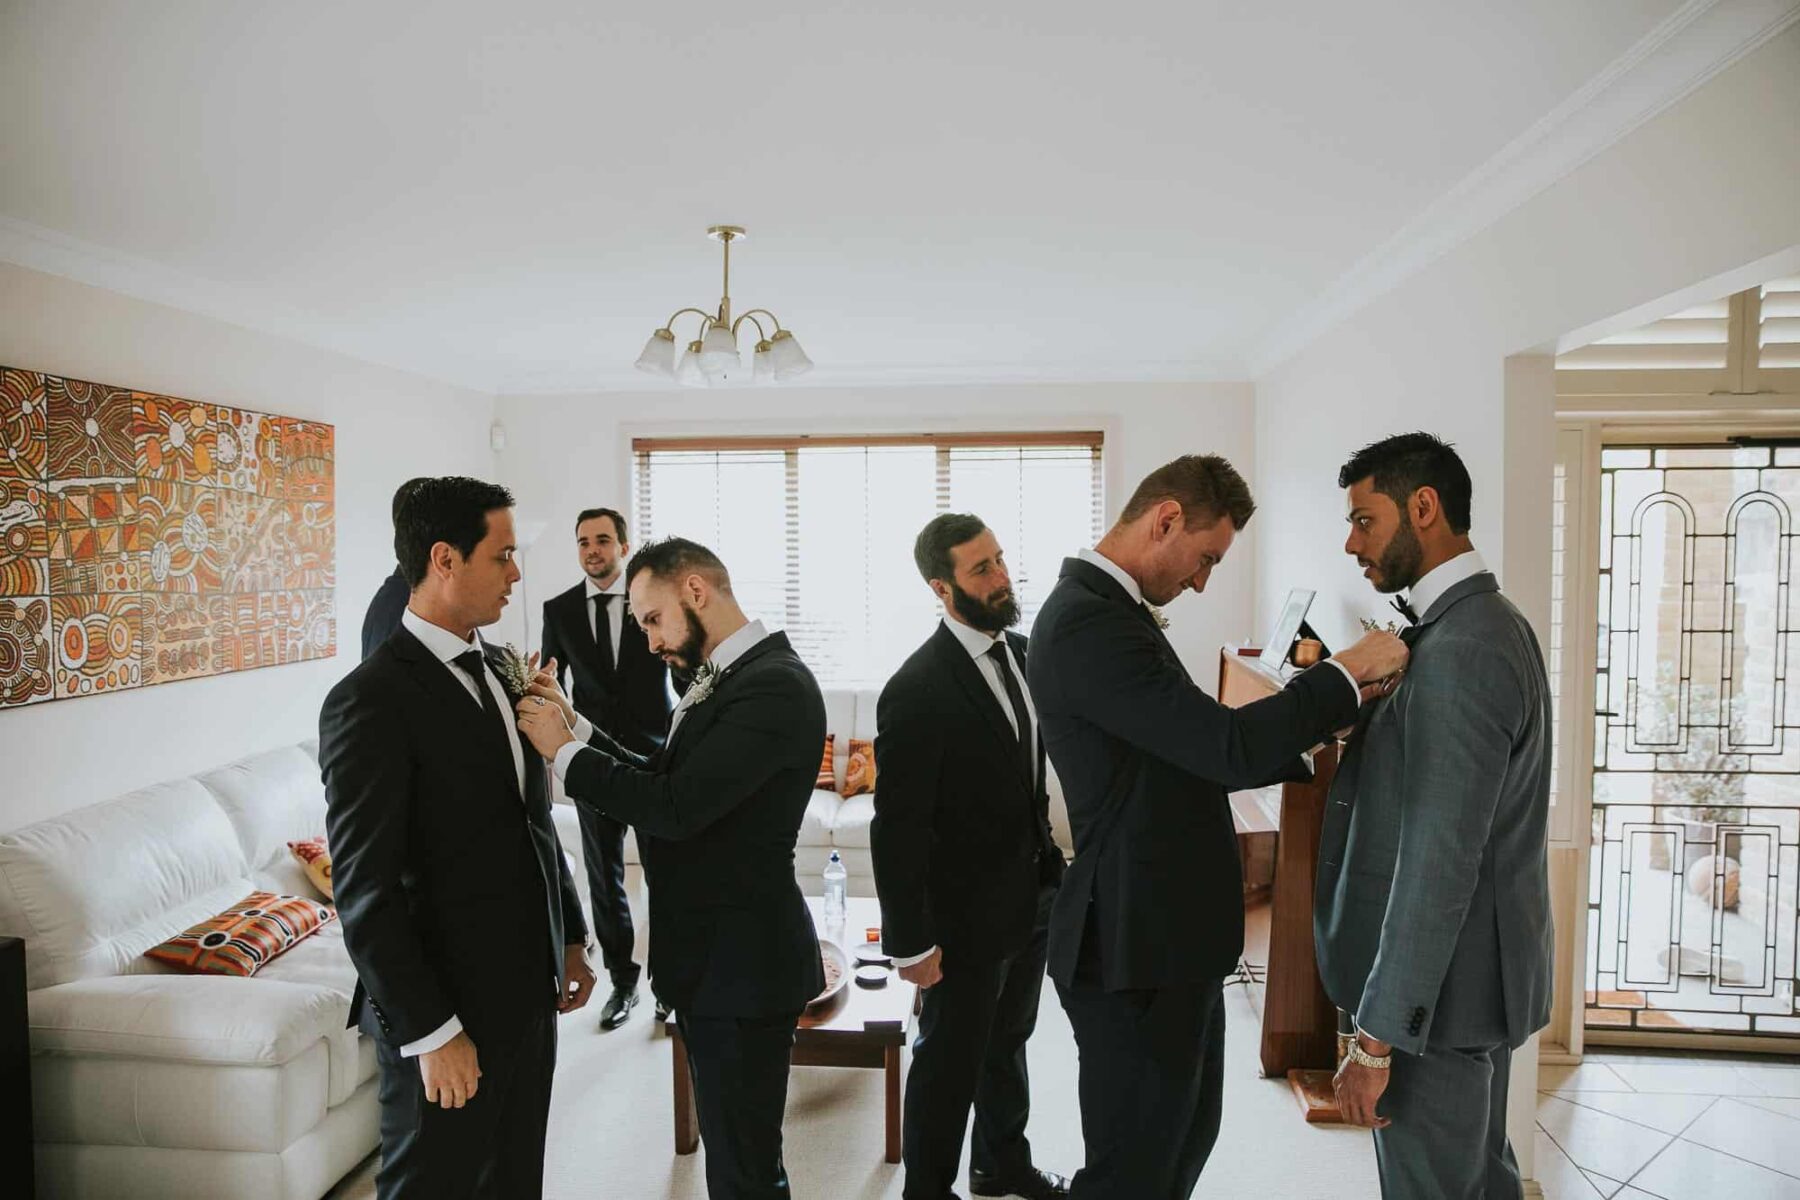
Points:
(1359, 1088)
(543, 723)
(927, 972)
(580, 975)
(1375, 657)
(451, 1072)
(545, 684)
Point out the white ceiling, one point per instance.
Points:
(513, 196)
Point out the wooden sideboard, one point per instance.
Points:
(1299, 1028)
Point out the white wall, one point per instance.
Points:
(566, 453)
(1704, 188)
(390, 426)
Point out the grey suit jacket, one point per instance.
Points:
(1432, 916)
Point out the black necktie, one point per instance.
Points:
(603, 628)
(1016, 698)
(1405, 609)
(476, 668)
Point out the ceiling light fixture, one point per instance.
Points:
(712, 359)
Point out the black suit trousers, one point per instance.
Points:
(970, 1050)
(603, 851)
(740, 1071)
(1152, 1080)
(490, 1149)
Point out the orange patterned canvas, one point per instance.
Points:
(146, 538)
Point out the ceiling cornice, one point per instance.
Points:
(835, 375)
(54, 253)
(1695, 43)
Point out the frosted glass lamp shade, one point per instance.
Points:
(763, 363)
(689, 372)
(658, 357)
(789, 359)
(719, 354)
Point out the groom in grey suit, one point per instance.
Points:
(1432, 916)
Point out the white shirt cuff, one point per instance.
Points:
(433, 1041)
(564, 757)
(1345, 671)
(916, 958)
(583, 730)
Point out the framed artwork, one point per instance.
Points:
(1287, 626)
(146, 539)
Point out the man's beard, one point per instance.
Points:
(1398, 567)
(601, 576)
(991, 616)
(688, 652)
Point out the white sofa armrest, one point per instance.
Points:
(185, 1018)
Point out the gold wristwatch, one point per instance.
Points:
(1361, 1057)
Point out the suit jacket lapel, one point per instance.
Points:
(463, 720)
(974, 684)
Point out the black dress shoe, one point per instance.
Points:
(618, 1007)
(1036, 1185)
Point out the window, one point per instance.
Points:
(818, 532)
(1741, 344)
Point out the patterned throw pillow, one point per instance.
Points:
(827, 780)
(313, 855)
(859, 774)
(245, 937)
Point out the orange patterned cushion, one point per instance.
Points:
(859, 775)
(827, 780)
(316, 858)
(245, 937)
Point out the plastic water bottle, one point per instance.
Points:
(836, 889)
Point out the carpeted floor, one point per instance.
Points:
(611, 1139)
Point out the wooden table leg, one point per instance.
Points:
(687, 1120)
(892, 1071)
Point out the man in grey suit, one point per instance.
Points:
(1433, 910)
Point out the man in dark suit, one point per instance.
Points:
(732, 945)
(1432, 918)
(623, 689)
(1150, 918)
(966, 870)
(458, 909)
(383, 616)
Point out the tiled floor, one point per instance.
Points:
(1669, 1126)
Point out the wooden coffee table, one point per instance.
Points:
(860, 1027)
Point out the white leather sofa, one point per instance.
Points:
(147, 1083)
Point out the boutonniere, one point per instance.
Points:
(514, 669)
(1377, 627)
(705, 680)
(1156, 614)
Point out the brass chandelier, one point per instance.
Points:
(712, 359)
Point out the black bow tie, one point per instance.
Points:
(1405, 609)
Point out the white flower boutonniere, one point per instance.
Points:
(515, 670)
(1156, 614)
(1376, 626)
(705, 680)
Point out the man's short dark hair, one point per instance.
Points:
(1402, 464)
(452, 509)
(1205, 485)
(677, 558)
(400, 494)
(617, 518)
(942, 534)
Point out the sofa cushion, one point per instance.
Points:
(860, 771)
(821, 814)
(272, 798)
(92, 890)
(245, 937)
(840, 720)
(315, 857)
(185, 1018)
(851, 826)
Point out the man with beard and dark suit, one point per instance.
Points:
(1432, 916)
(458, 910)
(623, 689)
(966, 870)
(1150, 918)
(383, 615)
(732, 945)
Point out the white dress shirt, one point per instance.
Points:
(978, 644)
(1097, 559)
(1441, 578)
(615, 611)
(723, 655)
(446, 646)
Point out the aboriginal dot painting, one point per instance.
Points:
(146, 539)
